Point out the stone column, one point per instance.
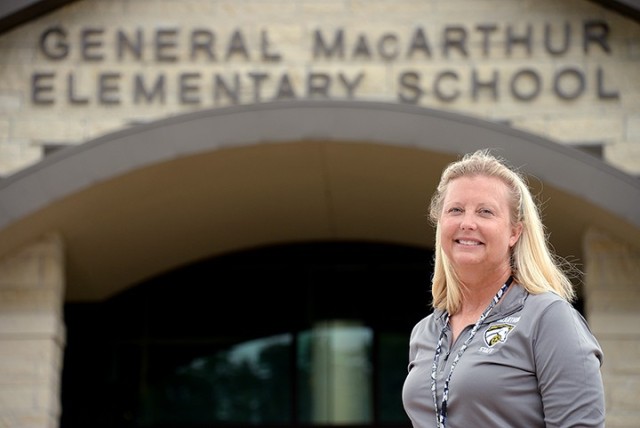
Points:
(612, 294)
(31, 334)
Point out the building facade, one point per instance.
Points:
(168, 166)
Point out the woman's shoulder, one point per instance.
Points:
(551, 307)
(546, 298)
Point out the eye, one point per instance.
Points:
(485, 211)
(454, 210)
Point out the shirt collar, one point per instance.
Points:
(511, 302)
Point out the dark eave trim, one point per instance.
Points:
(628, 8)
(14, 13)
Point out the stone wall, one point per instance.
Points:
(612, 295)
(31, 335)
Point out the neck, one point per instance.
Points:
(478, 293)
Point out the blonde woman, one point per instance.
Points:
(503, 347)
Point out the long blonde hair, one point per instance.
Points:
(533, 264)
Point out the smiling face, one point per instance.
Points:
(475, 228)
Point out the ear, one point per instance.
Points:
(516, 231)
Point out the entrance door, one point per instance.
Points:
(299, 335)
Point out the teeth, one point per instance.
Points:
(468, 242)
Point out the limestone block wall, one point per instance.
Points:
(566, 70)
(31, 335)
(612, 295)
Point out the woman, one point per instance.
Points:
(504, 347)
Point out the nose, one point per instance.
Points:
(467, 222)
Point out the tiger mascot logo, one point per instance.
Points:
(497, 334)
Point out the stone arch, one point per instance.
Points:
(144, 199)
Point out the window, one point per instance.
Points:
(301, 335)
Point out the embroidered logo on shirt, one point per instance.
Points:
(497, 334)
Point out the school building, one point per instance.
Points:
(214, 212)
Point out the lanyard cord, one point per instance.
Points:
(441, 414)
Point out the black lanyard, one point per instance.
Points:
(441, 414)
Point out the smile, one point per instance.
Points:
(467, 242)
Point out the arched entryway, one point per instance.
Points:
(221, 180)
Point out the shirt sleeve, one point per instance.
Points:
(413, 349)
(568, 360)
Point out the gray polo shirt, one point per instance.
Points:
(532, 363)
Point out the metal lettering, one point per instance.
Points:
(513, 39)
(231, 92)
(91, 44)
(237, 46)
(568, 75)
(491, 85)
(165, 45)
(437, 86)
(486, 30)
(350, 85)
(140, 92)
(596, 32)
(604, 94)
(410, 81)
(189, 88)
(133, 45)
(42, 88)
(53, 43)
(320, 48)
(258, 79)
(109, 88)
(318, 85)
(565, 42)
(285, 89)
(71, 92)
(202, 41)
(419, 43)
(361, 47)
(265, 46)
(455, 37)
(388, 47)
(530, 76)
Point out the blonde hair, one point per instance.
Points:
(533, 264)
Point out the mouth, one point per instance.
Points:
(468, 242)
